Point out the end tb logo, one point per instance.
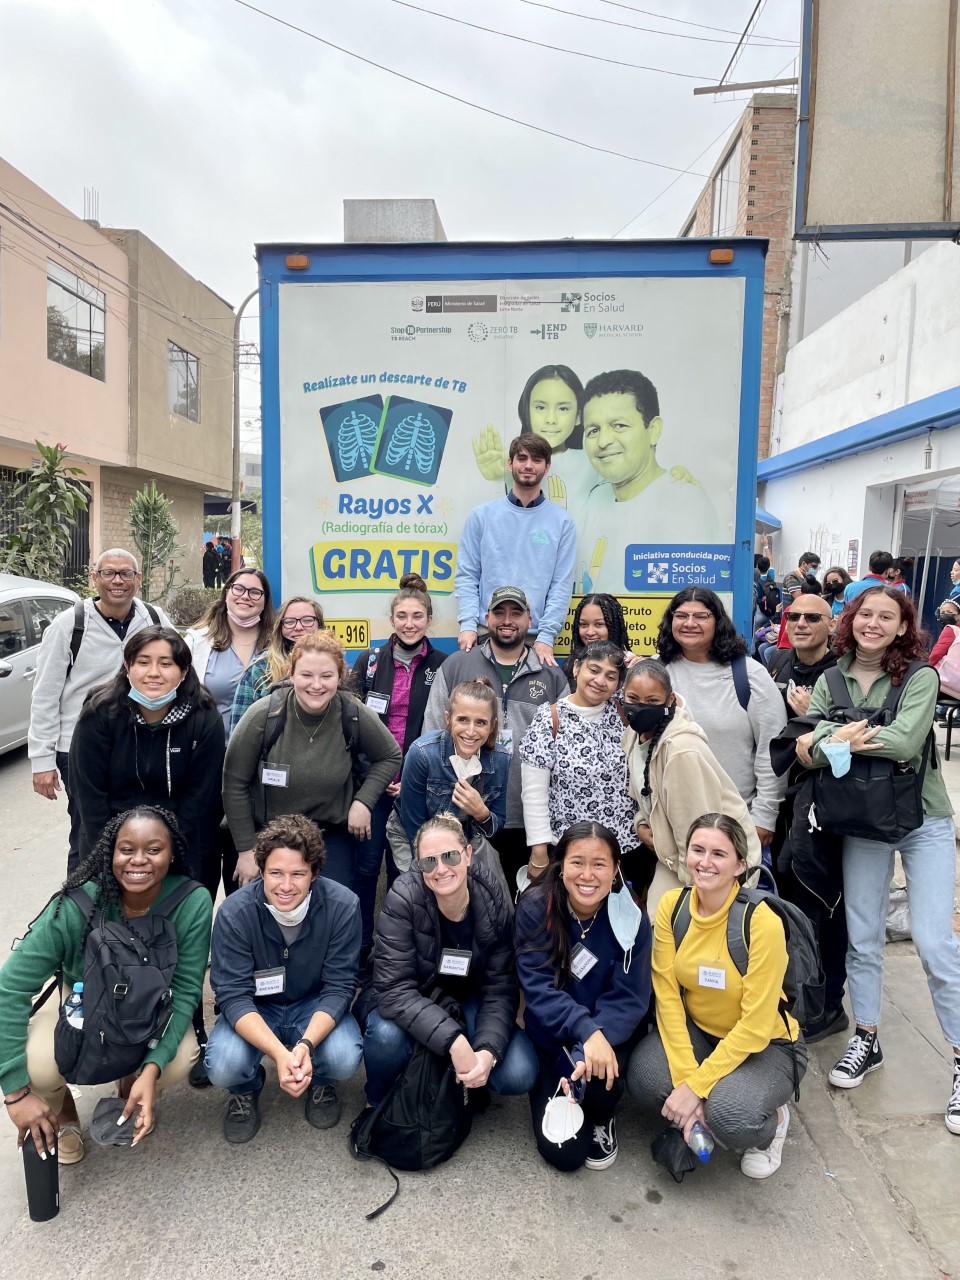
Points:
(549, 331)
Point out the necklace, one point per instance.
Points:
(585, 931)
(319, 726)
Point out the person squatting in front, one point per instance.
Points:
(726, 1052)
(583, 958)
(284, 960)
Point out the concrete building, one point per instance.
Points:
(107, 345)
(750, 193)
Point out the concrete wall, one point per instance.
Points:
(118, 487)
(391, 220)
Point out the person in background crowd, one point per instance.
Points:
(522, 683)
(835, 581)
(896, 575)
(294, 618)
(284, 970)
(226, 558)
(447, 905)
(394, 681)
(573, 765)
(699, 643)
(948, 615)
(726, 1052)
(881, 562)
(309, 767)
(955, 580)
(795, 583)
(674, 777)
(211, 564)
(522, 537)
(63, 679)
(597, 617)
(140, 857)
(767, 606)
(583, 959)
(876, 640)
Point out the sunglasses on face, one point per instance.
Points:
(812, 618)
(254, 593)
(451, 858)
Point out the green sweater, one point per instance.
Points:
(903, 740)
(54, 944)
(319, 780)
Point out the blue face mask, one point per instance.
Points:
(152, 704)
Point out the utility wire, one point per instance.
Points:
(632, 26)
(577, 53)
(665, 17)
(499, 115)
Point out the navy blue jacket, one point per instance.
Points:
(321, 964)
(427, 782)
(607, 999)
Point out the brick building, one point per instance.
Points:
(750, 193)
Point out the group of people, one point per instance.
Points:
(217, 562)
(577, 835)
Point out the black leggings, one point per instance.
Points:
(599, 1104)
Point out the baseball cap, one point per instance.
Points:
(512, 594)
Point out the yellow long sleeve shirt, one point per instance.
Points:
(743, 1013)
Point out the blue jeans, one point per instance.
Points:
(367, 867)
(387, 1049)
(929, 861)
(234, 1064)
(342, 856)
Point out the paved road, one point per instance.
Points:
(865, 1191)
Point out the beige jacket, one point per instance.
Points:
(686, 782)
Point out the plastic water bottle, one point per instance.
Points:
(74, 1006)
(701, 1142)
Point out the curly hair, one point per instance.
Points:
(553, 928)
(98, 866)
(726, 644)
(314, 643)
(291, 831)
(612, 612)
(902, 650)
(216, 623)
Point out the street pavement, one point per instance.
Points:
(868, 1190)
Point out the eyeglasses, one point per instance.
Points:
(792, 616)
(692, 617)
(452, 858)
(254, 593)
(309, 623)
(125, 575)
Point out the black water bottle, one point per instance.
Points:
(43, 1180)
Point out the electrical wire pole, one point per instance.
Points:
(235, 497)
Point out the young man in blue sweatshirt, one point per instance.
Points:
(284, 960)
(523, 538)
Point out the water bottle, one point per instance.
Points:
(701, 1142)
(74, 1006)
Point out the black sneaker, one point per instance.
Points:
(242, 1119)
(830, 1023)
(863, 1055)
(603, 1148)
(322, 1107)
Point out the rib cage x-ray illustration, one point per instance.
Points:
(414, 442)
(356, 441)
(389, 437)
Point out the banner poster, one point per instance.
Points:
(398, 402)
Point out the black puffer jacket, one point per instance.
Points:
(407, 955)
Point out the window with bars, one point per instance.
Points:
(77, 559)
(183, 383)
(76, 322)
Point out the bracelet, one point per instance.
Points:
(538, 866)
(309, 1043)
(12, 1102)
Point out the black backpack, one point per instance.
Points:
(878, 799)
(803, 982)
(349, 726)
(128, 968)
(768, 598)
(425, 1116)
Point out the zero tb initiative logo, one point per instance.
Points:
(477, 331)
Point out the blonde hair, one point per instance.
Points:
(441, 822)
(319, 642)
(280, 648)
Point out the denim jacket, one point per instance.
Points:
(428, 780)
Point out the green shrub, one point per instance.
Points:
(187, 605)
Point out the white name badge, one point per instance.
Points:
(582, 961)
(378, 702)
(455, 964)
(275, 775)
(269, 982)
(505, 740)
(716, 978)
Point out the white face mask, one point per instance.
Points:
(561, 1118)
(288, 918)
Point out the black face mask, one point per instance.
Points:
(833, 588)
(947, 617)
(645, 718)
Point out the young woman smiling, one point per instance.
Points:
(309, 768)
(597, 617)
(583, 958)
(724, 1054)
(877, 638)
(294, 619)
(232, 632)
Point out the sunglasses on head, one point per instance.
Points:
(793, 616)
(451, 858)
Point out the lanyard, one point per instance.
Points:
(513, 675)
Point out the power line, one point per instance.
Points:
(577, 53)
(632, 26)
(665, 17)
(452, 97)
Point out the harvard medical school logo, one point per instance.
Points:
(590, 330)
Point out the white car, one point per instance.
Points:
(27, 607)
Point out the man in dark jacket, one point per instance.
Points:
(284, 962)
(211, 564)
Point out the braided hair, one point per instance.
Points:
(612, 612)
(655, 670)
(98, 866)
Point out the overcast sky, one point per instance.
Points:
(212, 128)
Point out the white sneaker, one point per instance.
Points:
(757, 1163)
(952, 1116)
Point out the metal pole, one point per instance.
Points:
(926, 555)
(235, 497)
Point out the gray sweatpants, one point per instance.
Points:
(742, 1107)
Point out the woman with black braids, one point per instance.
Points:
(674, 777)
(597, 617)
(139, 859)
